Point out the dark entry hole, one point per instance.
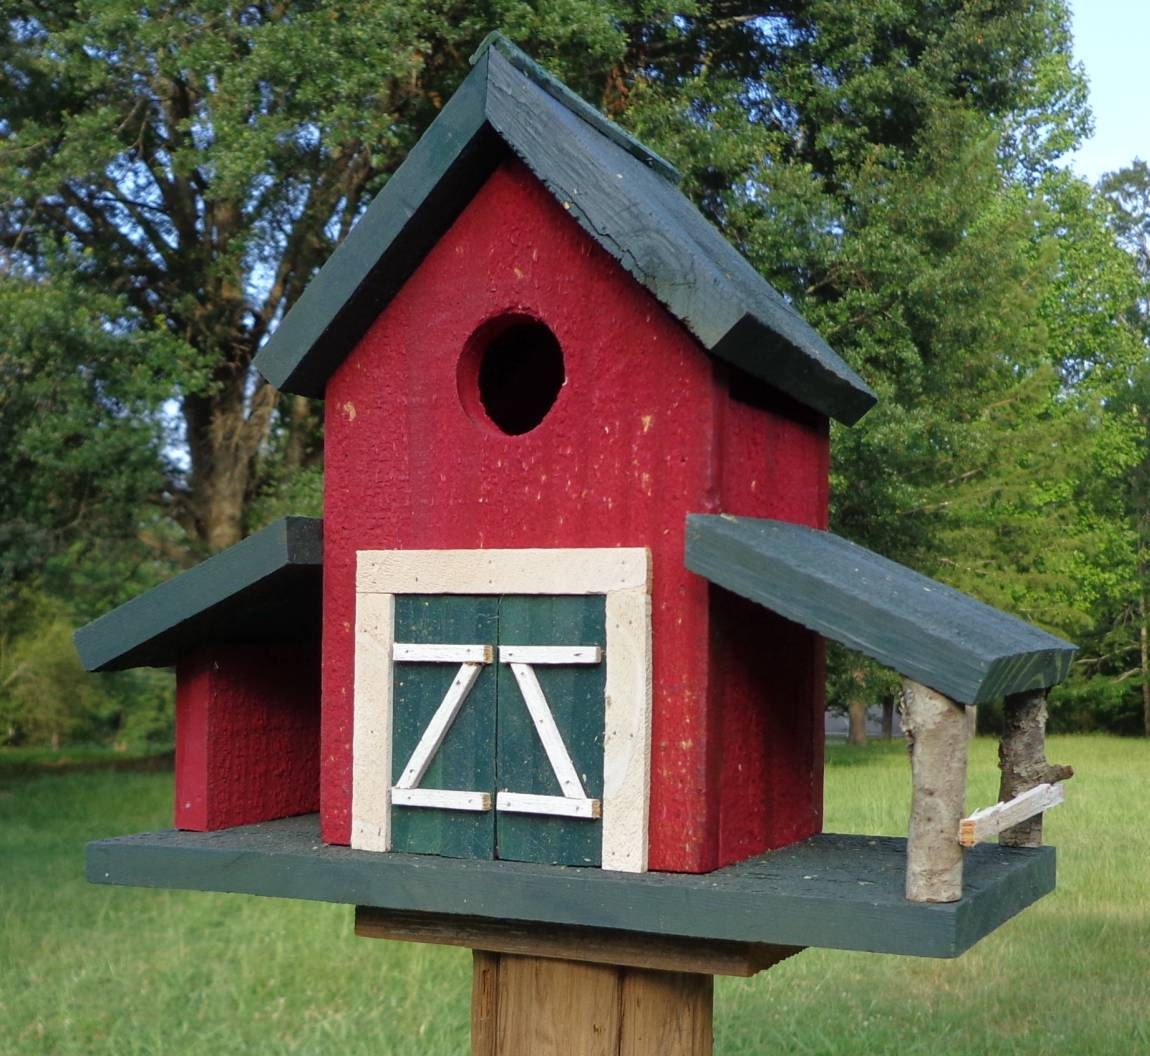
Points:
(520, 375)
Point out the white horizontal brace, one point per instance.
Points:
(441, 799)
(550, 654)
(561, 806)
(427, 653)
(990, 821)
(440, 723)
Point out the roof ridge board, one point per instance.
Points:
(575, 103)
(699, 277)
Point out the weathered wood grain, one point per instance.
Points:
(844, 892)
(925, 630)
(615, 188)
(484, 1002)
(547, 1007)
(1022, 762)
(524, 1005)
(597, 945)
(554, 87)
(264, 589)
(990, 821)
(937, 734)
(669, 1013)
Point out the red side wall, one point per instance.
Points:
(642, 433)
(247, 735)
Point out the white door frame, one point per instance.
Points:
(621, 575)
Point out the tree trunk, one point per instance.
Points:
(1022, 760)
(225, 431)
(856, 710)
(888, 717)
(936, 732)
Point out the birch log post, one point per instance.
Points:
(1022, 760)
(937, 734)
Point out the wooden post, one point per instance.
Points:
(539, 1006)
(1022, 760)
(937, 734)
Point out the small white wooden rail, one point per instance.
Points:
(990, 821)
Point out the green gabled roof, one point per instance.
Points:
(930, 632)
(264, 589)
(622, 194)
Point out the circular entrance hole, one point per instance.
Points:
(512, 373)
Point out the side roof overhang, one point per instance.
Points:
(264, 589)
(622, 194)
(925, 630)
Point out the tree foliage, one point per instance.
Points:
(171, 175)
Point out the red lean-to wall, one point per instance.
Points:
(642, 433)
(247, 734)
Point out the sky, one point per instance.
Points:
(1112, 40)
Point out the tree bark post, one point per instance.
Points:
(540, 1006)
(937, 734)
(1022, 760)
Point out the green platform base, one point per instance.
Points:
(842, 892)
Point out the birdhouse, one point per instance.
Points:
(576, 578)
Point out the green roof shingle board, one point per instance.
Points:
(265, 588)
(930, 632)
(617, 190)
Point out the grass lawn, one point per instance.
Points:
(96, 970)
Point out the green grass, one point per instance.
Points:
(97, 970)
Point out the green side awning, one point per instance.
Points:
(266, 588)
(925, 630)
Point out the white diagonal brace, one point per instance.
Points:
(440, 723)
(553, 745)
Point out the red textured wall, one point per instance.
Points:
(247, 735)
(642, 433)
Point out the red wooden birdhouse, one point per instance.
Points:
(575, 569)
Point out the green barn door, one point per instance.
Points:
(574, 696)
(466, 758)
(524, 734)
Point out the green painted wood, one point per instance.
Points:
(842, 892)
(466, 758)
(612, 187)
(575, 693)
(577, 105)
(930, 632)
(264, 589)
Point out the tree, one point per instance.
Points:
(198, 161)
(1128, 191)
(188, 166)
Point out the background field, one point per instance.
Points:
(101, 970)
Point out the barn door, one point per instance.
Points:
(498, 727)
